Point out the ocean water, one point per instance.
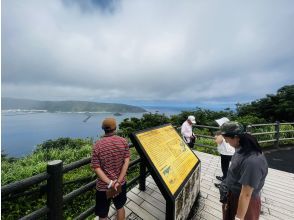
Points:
(22, 131)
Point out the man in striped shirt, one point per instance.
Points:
(110, 160)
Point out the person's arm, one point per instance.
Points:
(244, 200)
(96, 166)
(124, 169)
(229, 148)
(103, 177)
(219, 139)
(184, 130)
(193, 135)
(123, 172)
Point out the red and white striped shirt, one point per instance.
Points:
(109, 154)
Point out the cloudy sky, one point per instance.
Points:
(147, 51)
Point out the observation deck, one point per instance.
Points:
(277, 196)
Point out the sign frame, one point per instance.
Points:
(167, 194)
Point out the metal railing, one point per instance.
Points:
(54, 187)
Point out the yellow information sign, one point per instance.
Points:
(170, 155)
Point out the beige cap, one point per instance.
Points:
(109, 124)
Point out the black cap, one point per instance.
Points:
(232, 128)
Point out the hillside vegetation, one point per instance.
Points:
(278, 107)
(65, 149)
(68, 106)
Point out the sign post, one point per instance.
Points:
(173, 165)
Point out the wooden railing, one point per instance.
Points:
(55, 171)
(54, 188)
(276, 140)
(277, 133)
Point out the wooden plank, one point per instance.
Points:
(208, 216)
(280, 214)
(277, 194)
(211, 210)
(158, 196)
(141, 212)
(135, 190)
(152, 200)
(274, 207)
(154, 187)
(210, 192)
(112, 211)
(214, 204)
(271, 194)
(128, 211)
(159, 214)
(135, 198)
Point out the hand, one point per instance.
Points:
(115, 195)
(116, 184)
(226, 206)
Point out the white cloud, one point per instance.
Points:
(146, 50)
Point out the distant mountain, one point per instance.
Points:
(67, 106)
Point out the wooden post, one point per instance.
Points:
(54, 190)
(142, 180)
(277, 134)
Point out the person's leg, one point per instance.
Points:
(230, 209)
(119, 202)
(121, 214)
(191, 144)
(102, 205)
(225, 164)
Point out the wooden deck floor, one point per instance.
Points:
(277, 196)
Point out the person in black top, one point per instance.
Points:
(246, 175)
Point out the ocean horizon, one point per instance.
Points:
(23, 130)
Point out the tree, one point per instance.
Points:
(279, 107)
(127, 126)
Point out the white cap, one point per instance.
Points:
(192, 119)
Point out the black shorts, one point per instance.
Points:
(102, 204)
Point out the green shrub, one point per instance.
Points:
(14, 170)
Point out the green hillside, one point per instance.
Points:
(68, 106)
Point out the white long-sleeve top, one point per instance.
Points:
(223, 147)
(186, 131)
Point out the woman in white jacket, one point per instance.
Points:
(226, 152)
